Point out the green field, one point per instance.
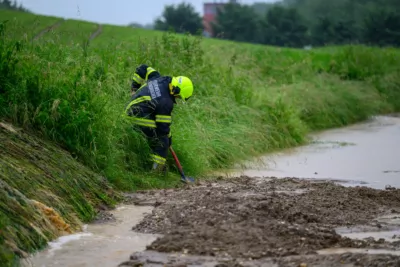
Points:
(248, 99)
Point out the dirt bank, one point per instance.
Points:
(281, 221)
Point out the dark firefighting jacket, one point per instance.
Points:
(152, 104)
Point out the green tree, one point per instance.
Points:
(295, 23)
(382, 27)
(261, 8)
(238, 23)
(328, 31)
(350, 21)
(285, 27)
(323, 32)
(346, 32)
(7, 4)
(181, 19)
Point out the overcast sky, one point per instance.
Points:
(121, 13)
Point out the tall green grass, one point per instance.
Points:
(24, 25)
(33, 170)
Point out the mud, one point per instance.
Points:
(104, 217)
(265, 221)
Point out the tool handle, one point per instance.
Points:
(176, 160)
(178, 164)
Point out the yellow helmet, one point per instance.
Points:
(185, 85)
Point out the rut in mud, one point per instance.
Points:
(96, 33)
(260, 218)
(52, 27)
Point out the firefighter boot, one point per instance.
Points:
(159, 168)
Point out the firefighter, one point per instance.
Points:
(151, 105)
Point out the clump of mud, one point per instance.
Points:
(258, 218)
(103, 215)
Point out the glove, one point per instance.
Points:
(134, 86)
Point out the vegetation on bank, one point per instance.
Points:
(248, 100)
(44, 193)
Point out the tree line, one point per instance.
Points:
(290, 23)
(7, 4)
(295, 23)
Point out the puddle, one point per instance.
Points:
(393, 219)
(330, 251)
(390, 236)
(384, 228)
(101, 244)
(365, 153)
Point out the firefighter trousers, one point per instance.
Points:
(158, 145)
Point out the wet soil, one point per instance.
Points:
(266, 221)
(104, 216)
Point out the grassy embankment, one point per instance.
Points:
(44, 192)
(248, 99)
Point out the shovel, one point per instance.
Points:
(184, 179)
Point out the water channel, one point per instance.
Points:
(366, 153)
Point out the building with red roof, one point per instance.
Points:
(210, 13)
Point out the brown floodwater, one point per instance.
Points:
(103, 244)
(366, 153)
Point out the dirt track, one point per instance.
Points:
(96, 33)
(47, 29)
(264, 222)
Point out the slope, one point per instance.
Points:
(44, 193)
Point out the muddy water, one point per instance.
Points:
(363, 153)
(101, 244)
